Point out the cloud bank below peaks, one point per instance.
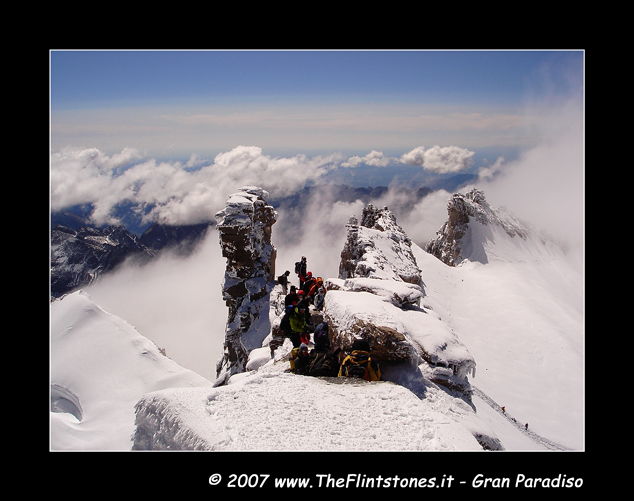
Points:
(373, 159)
(174, 192)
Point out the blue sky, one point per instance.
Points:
(107, 78)
(172, 104)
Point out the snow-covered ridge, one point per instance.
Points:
(100, 366)
(277, 411)
(520, 316)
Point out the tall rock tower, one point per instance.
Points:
(245, 237)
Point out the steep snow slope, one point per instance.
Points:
(100, 366)
(521, 317)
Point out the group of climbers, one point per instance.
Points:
(321, 361)
(313, 287)
(296, 321)
(296, 325)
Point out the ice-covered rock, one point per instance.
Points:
(396, 334)
(378, 297)
(471, 223)
(378, 248)
(401, 294)
(244, 226)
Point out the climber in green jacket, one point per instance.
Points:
(295, 323)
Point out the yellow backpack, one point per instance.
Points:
(294, 354)
(359, 364)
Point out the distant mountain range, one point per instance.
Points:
(81, 253)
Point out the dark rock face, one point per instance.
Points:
(79, 257)
(81, 254)
(463, 211)
(245, 226)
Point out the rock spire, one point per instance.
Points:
(244, 226)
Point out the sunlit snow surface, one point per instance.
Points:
(520, 316)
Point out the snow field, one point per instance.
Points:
(521, 317)
(108, 366)
(286, 412)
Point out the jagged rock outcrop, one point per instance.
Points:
(378, 248)
(454, 242)
(244, 226)
(379, 297)
(377, 259)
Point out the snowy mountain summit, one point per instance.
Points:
(498, 296)
(378, 248)
(472, 222)
(377, 298)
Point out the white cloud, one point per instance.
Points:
(77, 174)
(414, 157)
(545, 186)
(373, 159)
(440, 160)
(173, 191)
(174, 301)
(489, 171)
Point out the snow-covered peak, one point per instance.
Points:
(475, 231)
